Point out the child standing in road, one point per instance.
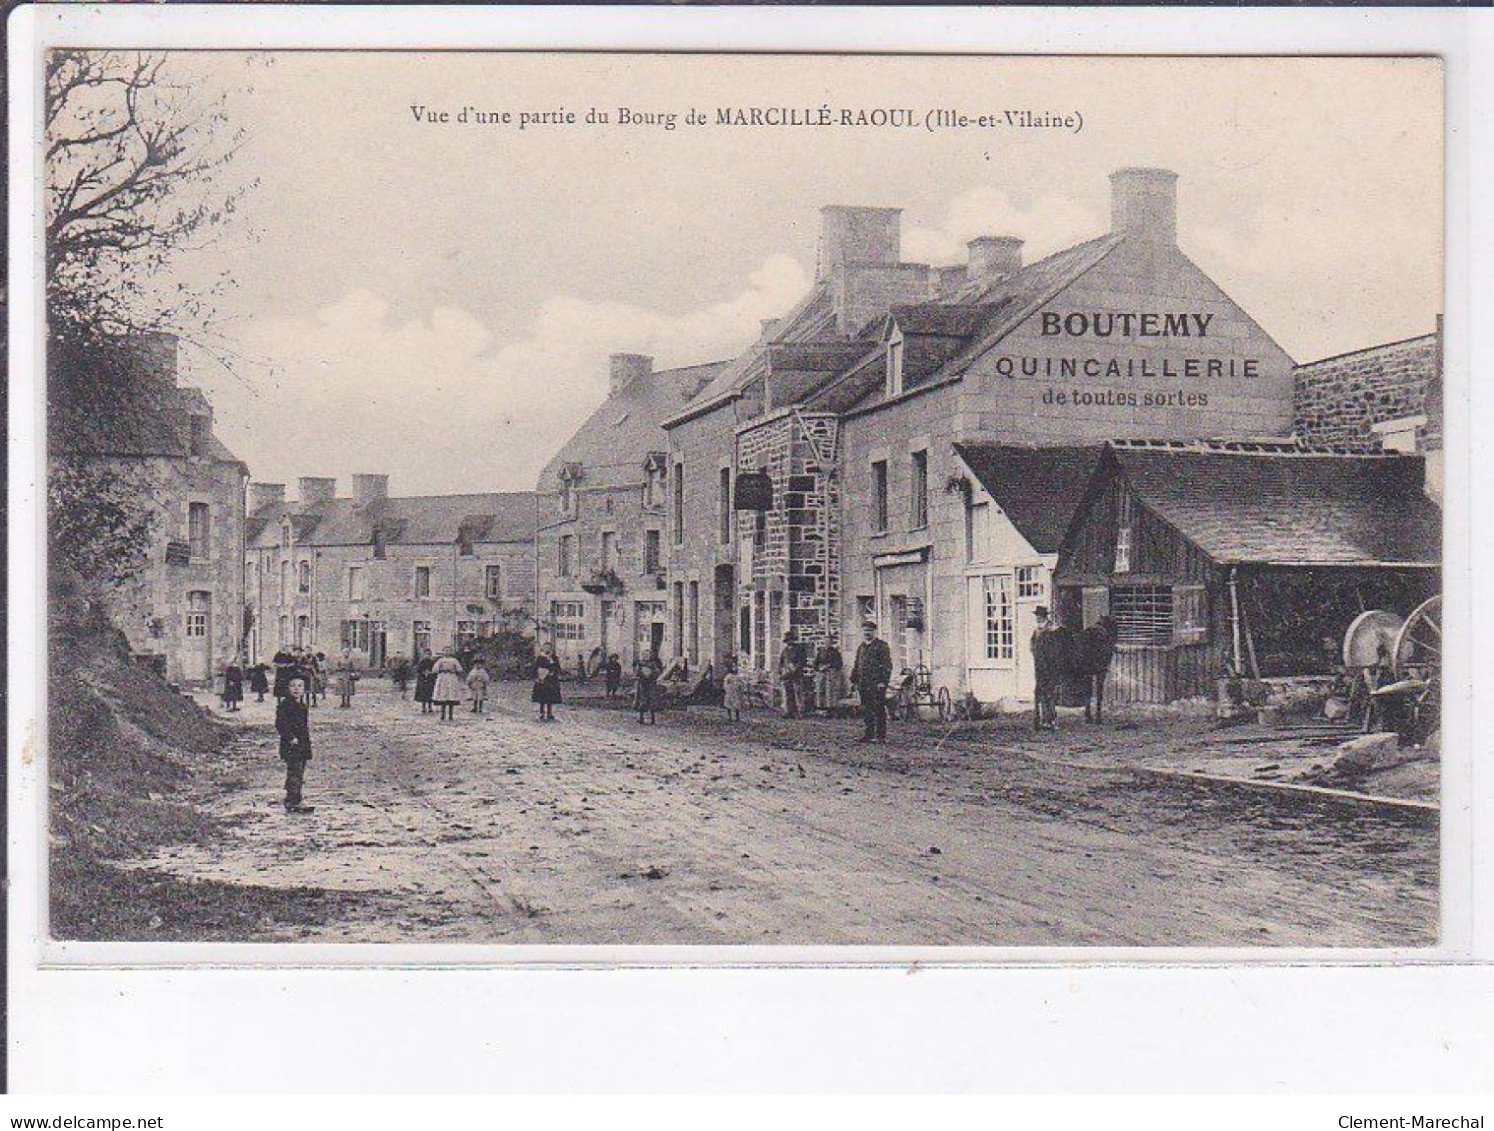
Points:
(477, 683)
(293, 722)
(731, 691)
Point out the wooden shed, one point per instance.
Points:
(1251, 557)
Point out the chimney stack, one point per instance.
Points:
(370, 489)
(1144, 204)
(850, 234)
(625, 368)
(266, 494)
(947, 282)
(315, 490)
(993, 258)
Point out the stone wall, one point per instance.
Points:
(1338, 400)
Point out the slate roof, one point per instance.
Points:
(1039, 489)
(1288, 507)
(411, 520)
(146, 413)
(611, 444)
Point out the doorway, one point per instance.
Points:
(723, 619)
(197, 650)
(378, 643)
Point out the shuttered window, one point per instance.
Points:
(1143, 614)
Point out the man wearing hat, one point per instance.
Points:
(870, 675)
(792, 662)
(1047, 667)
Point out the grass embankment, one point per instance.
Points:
(128, 760)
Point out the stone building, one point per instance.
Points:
(1120, 336)
(385, 576)
(182, 612)
(1386, 397)
(600, 546)
(739, 579)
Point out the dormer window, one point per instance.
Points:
(653, 480)
(895, 364)
(569, 498)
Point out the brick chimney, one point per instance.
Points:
(314, 490)
(370, 489)
(266, 494)
(1144, 204)
(993, 258)
(625, 368)
(850, 234)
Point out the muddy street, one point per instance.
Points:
(594, 829)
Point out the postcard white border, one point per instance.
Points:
(1154, 981)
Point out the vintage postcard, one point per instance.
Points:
(743, 500)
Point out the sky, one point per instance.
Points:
(437, 301)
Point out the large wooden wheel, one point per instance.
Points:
(1418, 663)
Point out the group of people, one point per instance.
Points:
(441, 683)
(647, 672)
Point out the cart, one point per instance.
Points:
(915, 689)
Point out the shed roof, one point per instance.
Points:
(1288, 507)
(1039, 489)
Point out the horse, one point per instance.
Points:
(1086, 661)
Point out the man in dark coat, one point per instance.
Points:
(793, 662)
(293, 722)
(259, 680)
(233, 685)
(870, 675)
(1047, 667)
(284, 664)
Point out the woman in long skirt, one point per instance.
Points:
(447, 687)
(546, 691)
(424, 682)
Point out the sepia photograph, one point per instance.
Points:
(743, 500)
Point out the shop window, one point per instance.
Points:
(568, 620)
(1030, 585)
(1001, 629)
(1143, 615)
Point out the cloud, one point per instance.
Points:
(439, 402)
(1047, 224)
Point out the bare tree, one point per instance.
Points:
(134, 157)
(133, 154)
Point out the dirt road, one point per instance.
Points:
(594, 829)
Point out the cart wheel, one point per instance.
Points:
(945, 703)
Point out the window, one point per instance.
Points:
(879, 496)
(725, 507)
(467, 631)
(1124, 519)
(1001, 633)
(422, 581)
(918, 511)
(1143, 615)
(420, 638)
(564, 554)
(196, 624)
(568, 619)
(356, 583)
(895, 365)
(202, 434)
(492, 582)
(303, 577)
(694, 622)
(355, 635)
(609, 550)
(651, 551)
(197, 529)
(679, 504)
(1030, 582)
(1190, 614)
(1095, 603)
(198, 604)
